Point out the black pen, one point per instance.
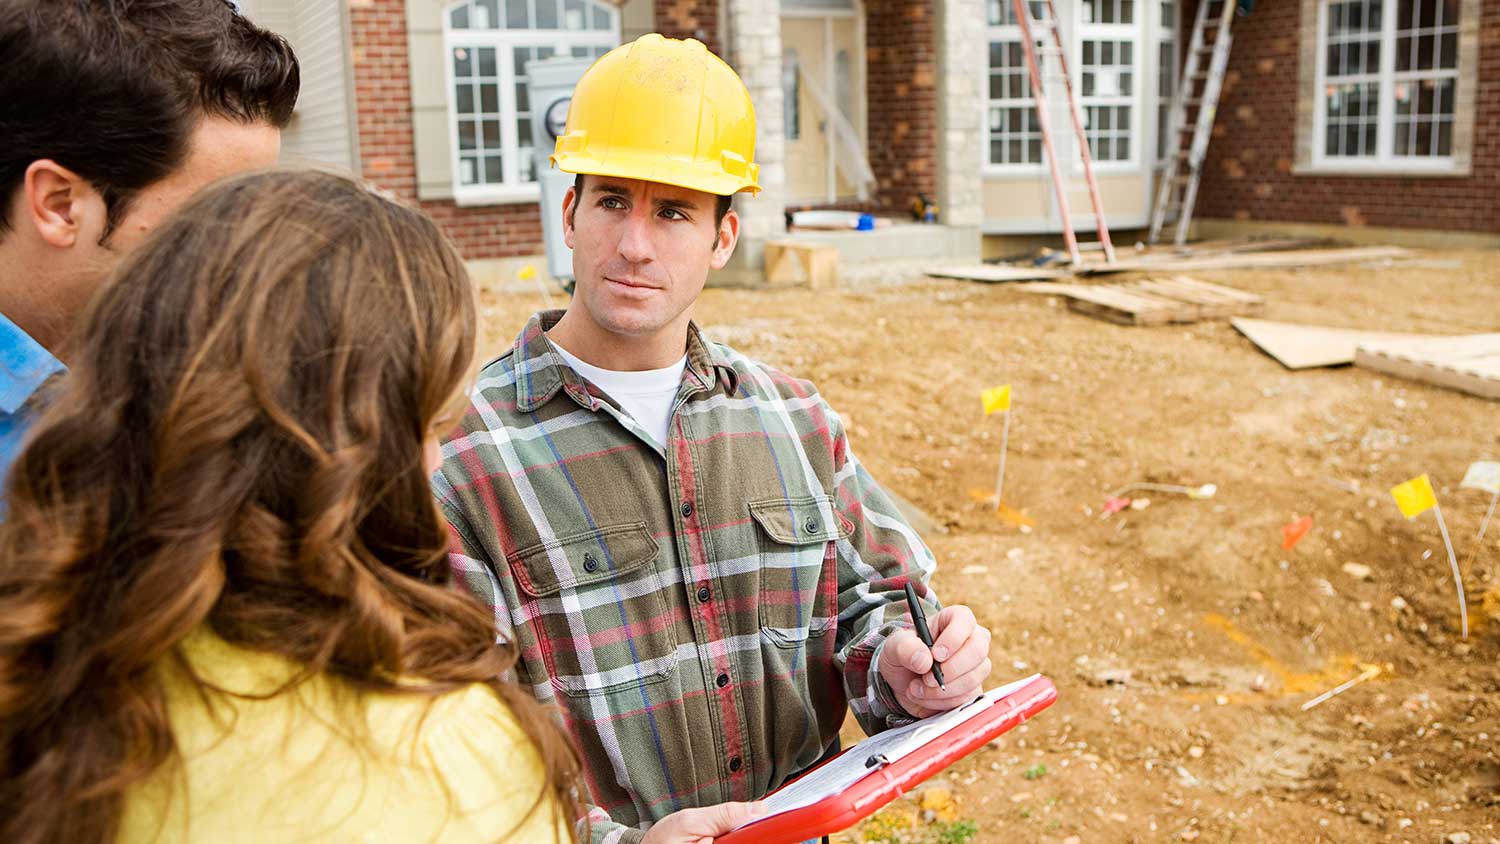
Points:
(920, 620)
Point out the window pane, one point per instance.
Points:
(468, 169)
(466, 134)
(489, 98)
(523, 97)
(580, 52)
(463, 63)
(519, 57)
(486, 57)
(601, 18)
(517, 15)
(492, 134)
(463, 98)
(459, 18)
(486, 14)
(546, 14)
(493, 172)
(573, 14)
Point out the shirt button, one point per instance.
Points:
(722, 680)
(589, 563)
(811, 526)
(704, 594)
(736, 763)
(687, 509)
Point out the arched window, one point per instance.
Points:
(488, 44)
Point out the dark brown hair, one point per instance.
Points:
(239, 444)
(112, 89)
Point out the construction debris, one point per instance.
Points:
(1468, 363)
(1297, 346)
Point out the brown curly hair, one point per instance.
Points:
(239, 443)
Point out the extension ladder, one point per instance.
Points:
(1056, 51)
(1177, 188)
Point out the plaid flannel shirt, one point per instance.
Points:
(700, 611)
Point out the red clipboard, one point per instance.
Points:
(885, 783)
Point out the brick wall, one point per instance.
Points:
(382, 91)
(689, 19)
(902, 95)
(1248, 174)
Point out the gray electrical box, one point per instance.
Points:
(550, 90)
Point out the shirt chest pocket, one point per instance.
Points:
(596, 601)
(798, 540)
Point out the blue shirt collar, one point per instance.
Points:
(24, 366)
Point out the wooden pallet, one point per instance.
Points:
(1470, 363)
(1159, 301)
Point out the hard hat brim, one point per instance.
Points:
(690, 175)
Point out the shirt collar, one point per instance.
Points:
(541, 372)
(24, 366)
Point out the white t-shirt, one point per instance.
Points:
(646, 395)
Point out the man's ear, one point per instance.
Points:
(569, 207)
(729, 235)
(61, 206)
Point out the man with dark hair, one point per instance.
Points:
(112, 112)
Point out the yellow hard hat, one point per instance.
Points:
(662, 110)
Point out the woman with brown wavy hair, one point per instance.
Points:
(225, 610)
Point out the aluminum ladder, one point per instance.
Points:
(1181, 172)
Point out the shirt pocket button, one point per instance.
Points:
(590, 564)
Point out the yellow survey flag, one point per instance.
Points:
(996, 398)
(1414, 497)
(527, 273)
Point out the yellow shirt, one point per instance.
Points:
(325, 762)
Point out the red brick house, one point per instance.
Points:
(1366, 114)
(869, 103)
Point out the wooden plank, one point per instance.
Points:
(1205, 306)
(995, 273)
(1129, 308)
(1465, 363)
(1306, 346)
(1251, 260)
(1218, 290)
(1052, 287)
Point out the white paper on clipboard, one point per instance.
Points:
(853, 765)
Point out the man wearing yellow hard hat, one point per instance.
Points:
(677, 539)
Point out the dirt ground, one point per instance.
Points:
(1182, 638)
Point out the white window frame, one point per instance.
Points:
(1075, 32)
(1385, 159)
(1135, 35)
(504, 42)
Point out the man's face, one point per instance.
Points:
(642, 251)
(217, 148)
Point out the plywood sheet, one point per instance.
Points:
(1469, 363)
(1298, 346)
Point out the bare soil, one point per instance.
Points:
(1182, 638)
